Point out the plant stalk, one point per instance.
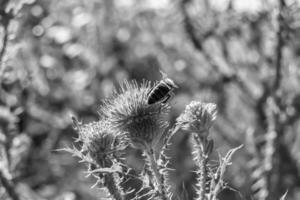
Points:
(158, 177)
(202, 159)
(113, 187)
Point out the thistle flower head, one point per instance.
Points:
(99, 142)
(198, 116)
(129, 112)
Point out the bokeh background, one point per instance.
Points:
(61, 58)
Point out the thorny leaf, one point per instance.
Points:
(227, 159)
(217, 182)
(76, 153)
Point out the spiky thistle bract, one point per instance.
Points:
(128, 111)
(99, 141)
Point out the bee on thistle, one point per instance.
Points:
(128, 112)
(162, 91)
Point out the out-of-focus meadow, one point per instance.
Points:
(62, 58)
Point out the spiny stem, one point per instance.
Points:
(166, 144)
(203, 176)
(158, 178)
(111, 180)
(147, 169)
(113, 187)
(202, 160)
(163, 160)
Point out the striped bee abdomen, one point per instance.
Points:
(158, 93)
(161, 92)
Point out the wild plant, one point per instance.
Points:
(126, 119)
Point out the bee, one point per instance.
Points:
(162, 91)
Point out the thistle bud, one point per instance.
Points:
(129, 112)
(198, 117)
(99, 141)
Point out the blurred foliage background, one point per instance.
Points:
(61, 58)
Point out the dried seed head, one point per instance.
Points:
(99, 141)
(129, 112)
(198, 117)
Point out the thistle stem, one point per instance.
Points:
(158, 178)
(113, 187)
(162, 162)
(202, 160)
(203, 176)
(163, 159)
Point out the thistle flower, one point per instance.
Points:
(198, 117)
(99, 142)
(129, 112)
